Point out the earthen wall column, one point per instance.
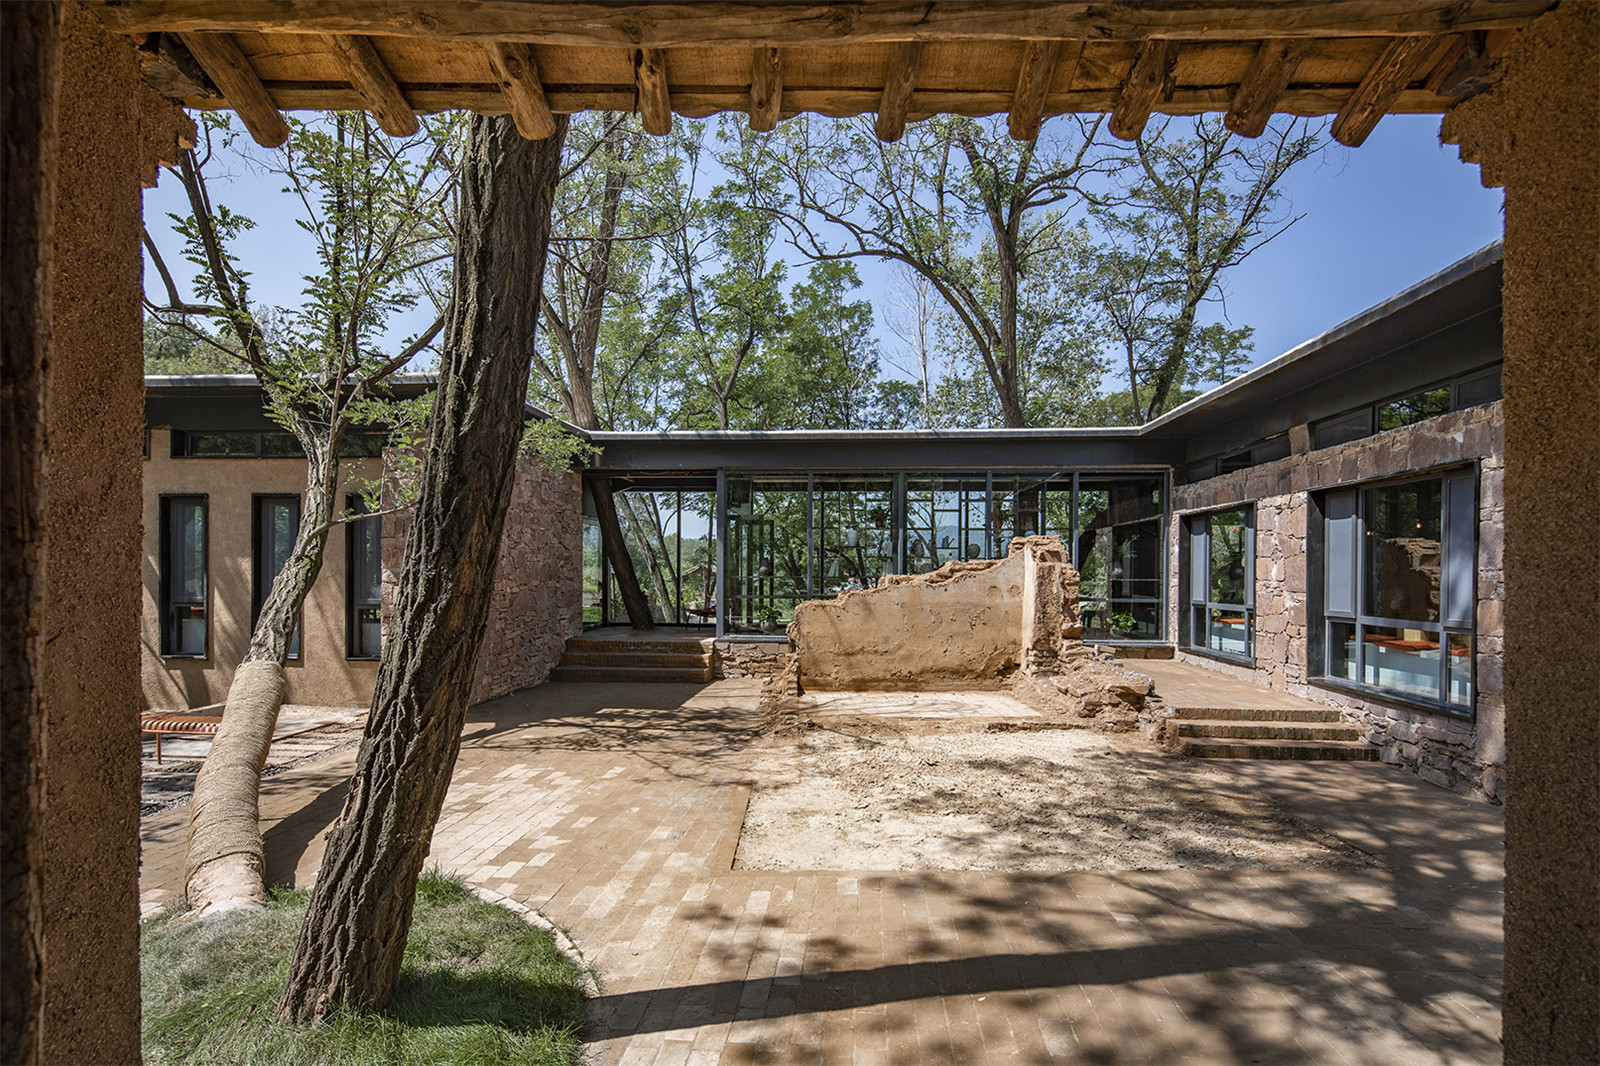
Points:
(1537, 134)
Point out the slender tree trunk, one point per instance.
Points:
(224, 857)
(657, 561)
(353, 940)
(616, 549)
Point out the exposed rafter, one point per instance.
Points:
(231, 72)
(1148, 81)
(650, 82)
(778, 25)
(1393, 71)
(518, 76)
(897, 90)
(1264, 81)
(1040, 61)
(376, 85)
(766, 88)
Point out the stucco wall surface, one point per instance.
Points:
(1538, 134)
(321, 675)
(1466, 756)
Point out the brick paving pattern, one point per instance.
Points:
(615, 811)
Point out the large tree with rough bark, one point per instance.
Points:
(353, 941)
(372, 206)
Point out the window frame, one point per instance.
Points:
(166, 638)
(354, 605)
(1196, 599)
(260, 580)
(1454, 621)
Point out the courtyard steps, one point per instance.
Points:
(1269, 733)
(661, 661)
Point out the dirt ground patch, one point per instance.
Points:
(936, 794)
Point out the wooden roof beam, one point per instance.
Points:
(1384, 82)
(1040, 61)
(371, 78)
(227, 67)
(1149, 79)
(642, 24)
(766, 89)
(650, 81)
(518, 76)
(897, 89)
(1268, 75)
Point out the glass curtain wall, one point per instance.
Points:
(671, 540)
(795, 537)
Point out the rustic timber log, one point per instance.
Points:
(616, 549)
(1268, 75)
(353, 940)
(897, 89)
(167, 66)
(225, 65)
(1149, 80)
(732, 23)
(650, 81)
(1040, 59)
(520, 85)
(1389, 75)
(766, 89)
(376, 85)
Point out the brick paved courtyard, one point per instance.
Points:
(615, 810)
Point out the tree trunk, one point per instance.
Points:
(616, 549)
(224, 857)
(353, 940)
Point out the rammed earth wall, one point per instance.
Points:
(538, 582)
(1466, 755)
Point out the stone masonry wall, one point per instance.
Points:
(1467, 756)
(749, 658)
(538, 581)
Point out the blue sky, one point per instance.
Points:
(1375, 220)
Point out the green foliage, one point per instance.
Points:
(554, 447)
(479, 985)
(175, 348)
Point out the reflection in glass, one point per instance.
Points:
(947, 518)
(1403, 525)
(592, 570)
(769, 558)
(1405, 660)
(853, 521)
(1342, 650)
(670, 540)
(1460, 669)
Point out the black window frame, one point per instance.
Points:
(260, 580)
(169, 603)
(1196, 599)
(1455, 620)
(354, 604)
(1365, 421)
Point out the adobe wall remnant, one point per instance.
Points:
(965, 622)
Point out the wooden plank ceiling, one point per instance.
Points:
(1355, 59)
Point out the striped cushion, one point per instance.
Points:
(178, 723)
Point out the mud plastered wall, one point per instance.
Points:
(1467, 756)
(538, 581)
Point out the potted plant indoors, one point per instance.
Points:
(1121, 624)
(768, 616)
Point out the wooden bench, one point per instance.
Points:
(194, 725)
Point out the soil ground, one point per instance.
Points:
(979, 781)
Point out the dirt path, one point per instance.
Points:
(934, 794)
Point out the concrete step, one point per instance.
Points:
(690, 660)
(1347, 751)
(1258, 714)
(661, 674)
(1222, 729)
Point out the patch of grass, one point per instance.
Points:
(479, 986)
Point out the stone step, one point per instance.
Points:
(645, 647)
(689, 660)
(1346, 751)
(661, 674)
(1279, 730)
(1259, 714)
